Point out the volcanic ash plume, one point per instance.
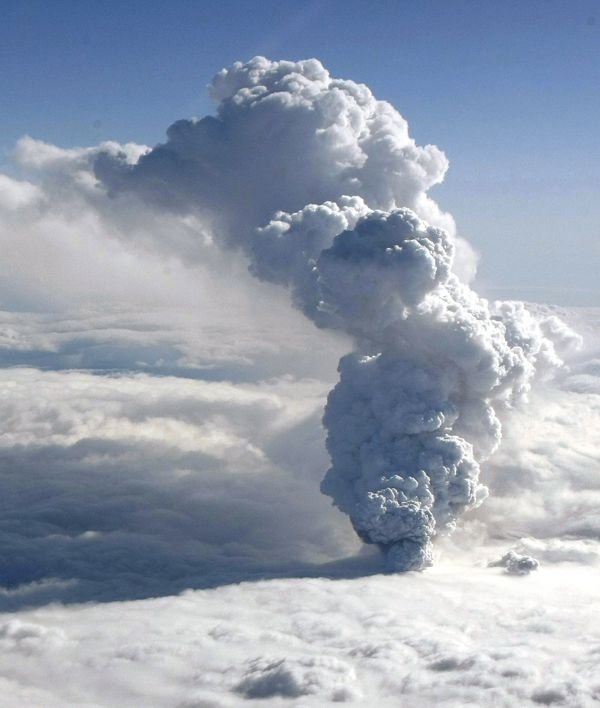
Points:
(322, 187)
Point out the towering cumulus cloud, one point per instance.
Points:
(323, 188)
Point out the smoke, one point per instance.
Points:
(324, 190)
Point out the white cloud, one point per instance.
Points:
(544, 479)
(454, 636)
(15, 194)
(38, 155)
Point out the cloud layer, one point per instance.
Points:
(131, 486)
(318, 642)
(131, 483)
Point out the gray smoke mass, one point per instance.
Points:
(323, 189)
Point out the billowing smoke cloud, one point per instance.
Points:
(323, 188)
(285, 135)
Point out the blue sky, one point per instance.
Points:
(509, 90)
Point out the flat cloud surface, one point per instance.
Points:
(144, 454)
(454, 636)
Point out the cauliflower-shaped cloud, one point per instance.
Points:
(322, 187)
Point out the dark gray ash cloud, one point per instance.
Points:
(324, 190)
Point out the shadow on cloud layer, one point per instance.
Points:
(134, 486)
(104, 520)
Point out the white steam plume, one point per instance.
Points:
(326, 192)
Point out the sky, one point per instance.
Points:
(240, 407)
(508, 91)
